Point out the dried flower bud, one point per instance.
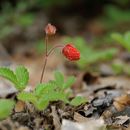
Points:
(71, 53)
(50, 29)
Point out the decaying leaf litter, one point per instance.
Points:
(108, 103)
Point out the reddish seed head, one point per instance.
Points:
(50, 29)
(71, 53)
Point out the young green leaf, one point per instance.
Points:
(44, 88)
(122, 39)
(78, 101)
(58, 96)
(59, 78)
(6, 107)
(69, 82)
(55, 96)
(42, 104)
(27, 97)
(9, 75)
(22, 76)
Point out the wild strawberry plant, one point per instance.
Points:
(44, 93)
(123, 40)
(51, 91)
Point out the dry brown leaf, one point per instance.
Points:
(19, 107)
(79, 118)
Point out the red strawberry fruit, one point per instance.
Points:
(71, 53)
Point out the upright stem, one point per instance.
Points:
(47, 54)
(46, 43)
(45, 62)
(43, 69)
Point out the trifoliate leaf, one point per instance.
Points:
(69, 82)
(78, 101)
(22, 76)
(59, 78)
(9, 75)
(6, 107)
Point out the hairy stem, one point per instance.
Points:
(47, 54)
(46, 44)
(52, 49)
(45, 62)
(43, 69)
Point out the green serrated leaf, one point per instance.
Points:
(46, 98)
(123, 40)
(69, 82)
(6, 107)
(42, 104)
(78, 101)
(59, 78)
(22, 76)
(58, 96)
(27, 97)
(44, 88)
(120, 39)
(53, 96)
(9, 75)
